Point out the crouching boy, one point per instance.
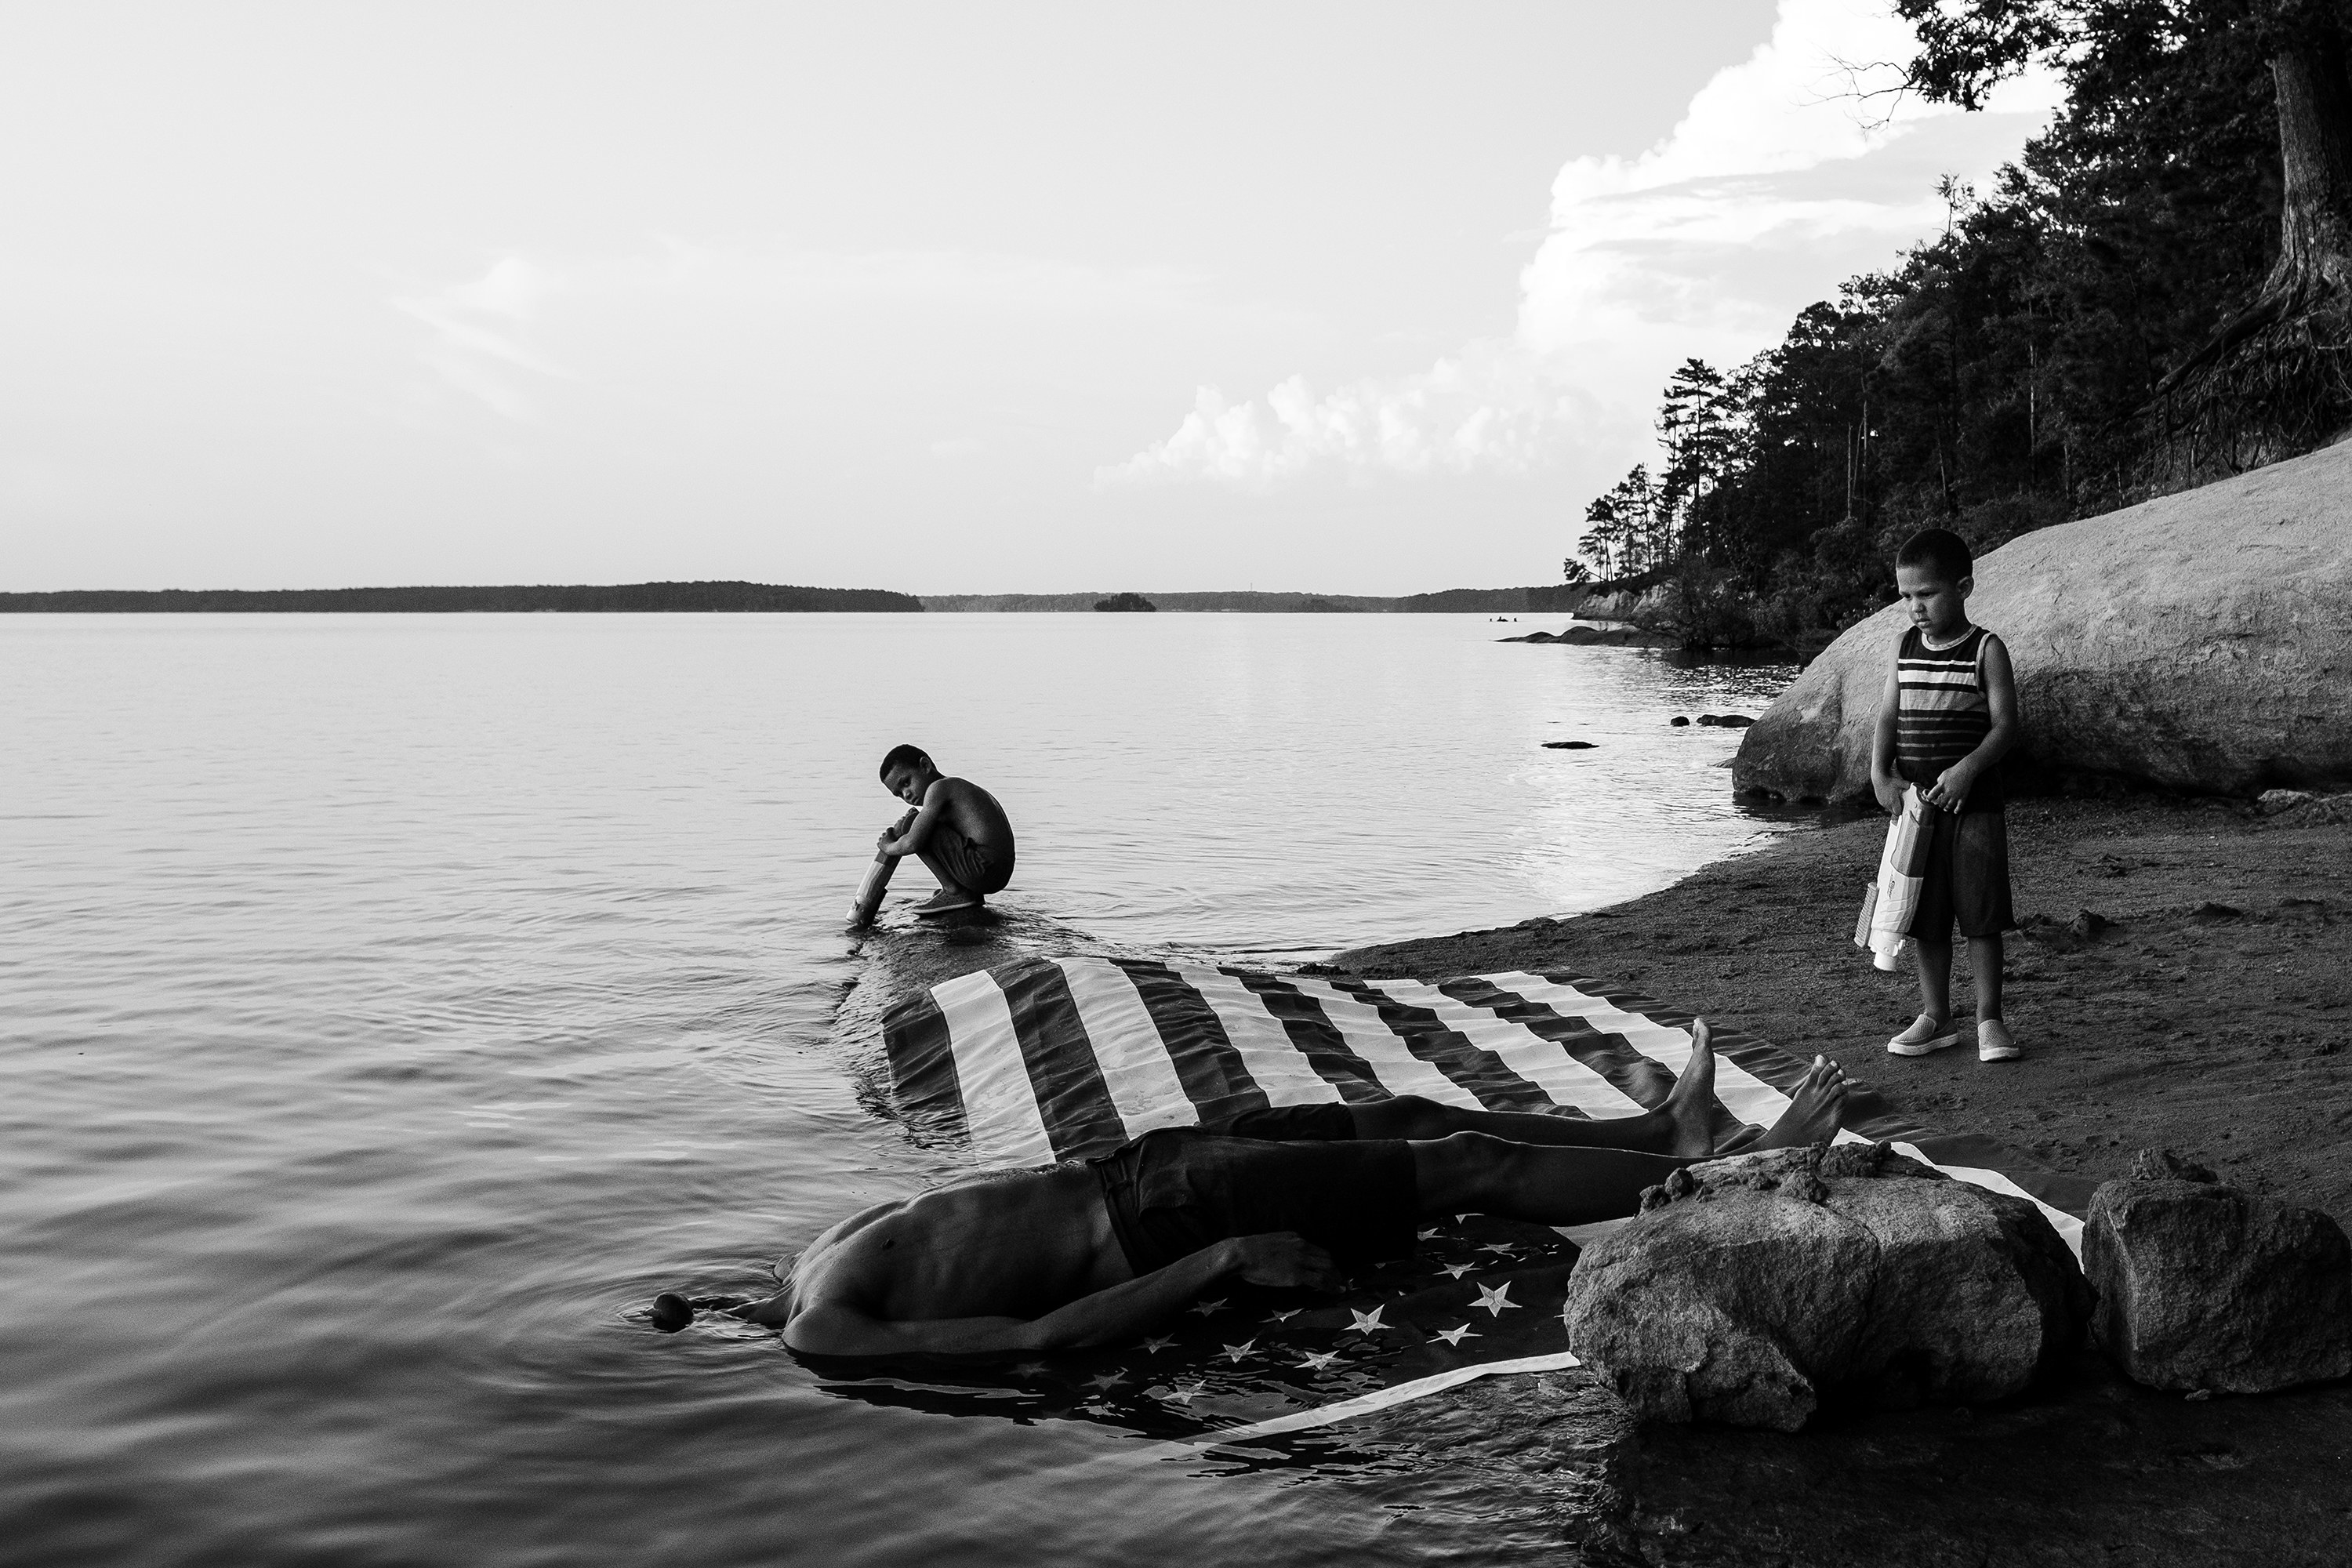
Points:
(957, 830)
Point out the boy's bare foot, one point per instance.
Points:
(947, 900)
(1813, 1109)
(1690, 1108)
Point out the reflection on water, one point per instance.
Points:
(395, 1004)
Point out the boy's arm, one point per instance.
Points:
(1884, 780)
(1952, 786)
(908, 837)
(1279, 1259)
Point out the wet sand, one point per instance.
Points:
(2214, 1018)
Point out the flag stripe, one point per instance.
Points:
(1197, 1042)
(1063, 1065)
(1394, 1066)
(998, 1105)
(1437, 1041)
(922, 1067)
(1310, 1033)
(1263, 1043)
(1130, 1046)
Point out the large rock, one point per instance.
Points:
(1749, 1291)
(2202, 1286)
(2201, 642)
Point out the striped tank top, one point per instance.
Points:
(1943, 713)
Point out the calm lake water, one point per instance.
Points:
(391, 1005)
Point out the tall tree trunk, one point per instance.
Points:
(2314, 119)
(2310, 285)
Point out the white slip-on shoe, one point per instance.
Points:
(1923, 1035)
(1995, 1043)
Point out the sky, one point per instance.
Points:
(1359, 297)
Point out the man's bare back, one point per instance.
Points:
(1033, 1260)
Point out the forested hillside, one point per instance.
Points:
(2105, 324)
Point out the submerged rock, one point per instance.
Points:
(2204, 1287)
(2197, 642)
(1751, 1290)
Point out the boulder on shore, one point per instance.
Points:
(1751, 1290)
(2202, 1286)
(2198, 642)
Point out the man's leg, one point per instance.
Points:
(1477, 1172)
(1678, 1121)
(1682, 1125)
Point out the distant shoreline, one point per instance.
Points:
(750, 598)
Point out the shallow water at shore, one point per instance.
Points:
(394, 1003)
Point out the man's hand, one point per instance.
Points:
(1282, 1259)
(1952, 787)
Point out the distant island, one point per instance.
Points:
(623, 598)
(618, 598)
(1549, 599)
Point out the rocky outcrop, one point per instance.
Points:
(1751, 1291)
(1599, 636)
(2201, 1286)
(2198, 642)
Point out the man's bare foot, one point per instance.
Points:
(1813, 1109)
(1690, 1108)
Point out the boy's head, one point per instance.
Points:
(907, 772)
(1933, 577)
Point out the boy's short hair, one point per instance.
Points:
(1940, 551)
(905, 757)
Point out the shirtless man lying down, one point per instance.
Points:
(1101, 1250)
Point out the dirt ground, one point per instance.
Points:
(2213, 1017)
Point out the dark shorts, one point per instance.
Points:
(968, 863)
(1966, 878)
(1173, 1191)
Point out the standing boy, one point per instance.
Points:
(957, 829)
(1949, 713)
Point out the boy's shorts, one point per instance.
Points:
(967, 862)
(1175, 1191)
(1966, 878)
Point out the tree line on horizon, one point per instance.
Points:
(2153, 296)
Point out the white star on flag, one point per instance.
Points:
(1284, 1315)
(1505, 1247)
(1455, 1336)
(1159, 1343)
(1496, 1300)
(1185, 1393)
(1431, 1233)
(1316, 1361)
(1107, 1380)
(1366, 1322)
(1235, 1353)
(1029, 1369)
(1458, 1269)
(1205, 1308)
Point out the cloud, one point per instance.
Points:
(1779, 183)
(474, 342)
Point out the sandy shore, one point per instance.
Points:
(2214, 1018)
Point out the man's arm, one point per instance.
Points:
(1952, 786)
(1121, 1312)
(1884, 780)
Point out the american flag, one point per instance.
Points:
(1060, 1058)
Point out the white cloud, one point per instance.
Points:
(1777, 184)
